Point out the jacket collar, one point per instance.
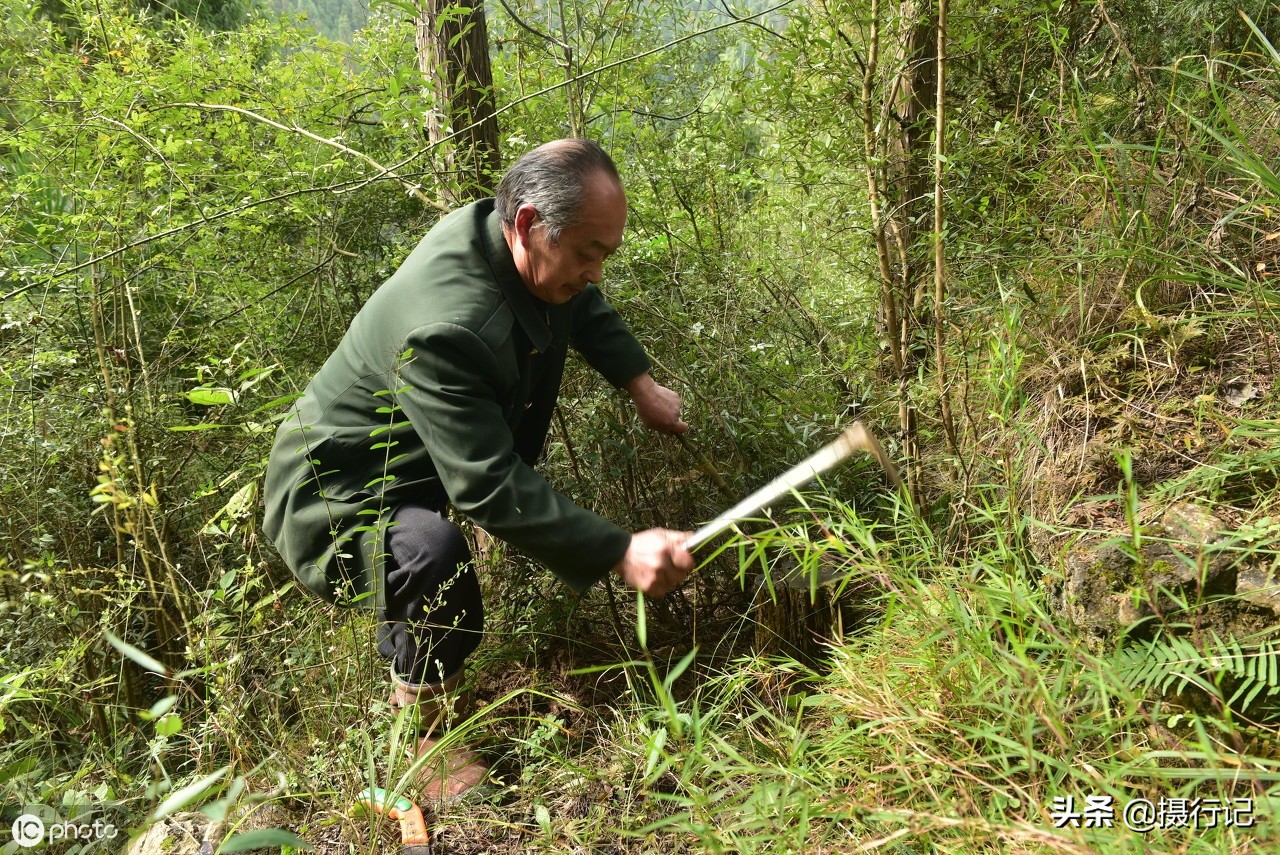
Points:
(529, 311)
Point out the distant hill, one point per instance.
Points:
(334, 19)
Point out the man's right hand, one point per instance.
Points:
(656, 561)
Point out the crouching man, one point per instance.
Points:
(441, 394)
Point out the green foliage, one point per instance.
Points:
(1250, 673)
(191, 217)
(67, 15)
(164, 212)
(213, 14)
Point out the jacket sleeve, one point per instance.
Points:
(448, 388)
(602, 337)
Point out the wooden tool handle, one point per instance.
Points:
(824, 459)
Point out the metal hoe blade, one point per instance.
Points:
(856, 438)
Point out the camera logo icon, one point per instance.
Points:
(28, 830)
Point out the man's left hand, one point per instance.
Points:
(657, 406)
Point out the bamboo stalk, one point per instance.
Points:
(939, 253)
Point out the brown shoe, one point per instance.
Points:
(450, 771)
(453, 769)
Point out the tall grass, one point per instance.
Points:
(961, 716)
(951, 724)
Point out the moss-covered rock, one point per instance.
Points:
(1187, 570)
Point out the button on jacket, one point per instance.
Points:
(442, 391)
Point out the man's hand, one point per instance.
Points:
(656, 561)
(657, 406)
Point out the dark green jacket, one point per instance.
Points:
(442, 391)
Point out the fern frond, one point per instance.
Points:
(1176, 663)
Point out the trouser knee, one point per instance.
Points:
(434, 614)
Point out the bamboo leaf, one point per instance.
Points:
(210, 397)
(263, 838)
(188, 794)
(144, 660)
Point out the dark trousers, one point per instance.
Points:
(434, 615)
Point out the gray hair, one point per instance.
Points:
(552, 178)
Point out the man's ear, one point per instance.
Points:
(526, 218)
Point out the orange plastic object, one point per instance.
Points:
(413, 827)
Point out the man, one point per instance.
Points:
(441, 393)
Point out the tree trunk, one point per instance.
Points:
(899, 176)
(453, 56)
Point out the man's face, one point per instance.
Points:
(555, 272)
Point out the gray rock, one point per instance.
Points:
(1197, 547)
(1111, 587)
(1260, 586)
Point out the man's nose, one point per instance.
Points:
(594, 273)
